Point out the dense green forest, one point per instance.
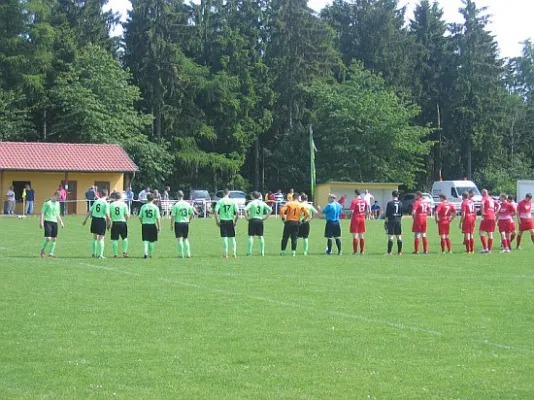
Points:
(224, 92)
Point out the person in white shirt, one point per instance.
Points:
(368, 198)
(10, 201)
(143, 193)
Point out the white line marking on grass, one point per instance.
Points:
(394, 325)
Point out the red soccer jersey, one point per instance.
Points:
(468, 209)
(524, 209)
(488, 208)
(421, 209)
(358, 207)
(507, 211)
(444, 212)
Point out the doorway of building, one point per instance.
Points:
(72, 196)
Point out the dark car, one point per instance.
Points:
(408, 200)
(201, 201)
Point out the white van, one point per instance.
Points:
(454, 190)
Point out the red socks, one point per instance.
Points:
(484, 242)
(449, 246)
(519, 237)
(490, 243)
(443, 244)
(532, 238)
(425, 244)
(416, 245)
(354, 245)
(472, 244)
(362, 245)
(512, 238)
(505, 244)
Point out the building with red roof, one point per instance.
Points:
(45, 166)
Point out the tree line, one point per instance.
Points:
(224, 92)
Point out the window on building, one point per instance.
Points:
(18, 188)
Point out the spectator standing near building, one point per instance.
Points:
(143, 195)
(165, 201)
(368, 197)
(29, 195)
(129, 196)
(90, 197)
(10, 194)
(290, 195)
(62, 198)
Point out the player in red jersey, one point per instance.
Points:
(512, 225)
(524, 213)
(360, 211)
(421, 210)
(445, 213)
(505, 221)
(467, 222)
(487, 226)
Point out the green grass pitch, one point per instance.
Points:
(318, 327)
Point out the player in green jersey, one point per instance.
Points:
(50, 215)
(226, 215)
(151, 225)
(100, 221)
(304, 228)
(181, 214)
(256, 212)
(119, 228)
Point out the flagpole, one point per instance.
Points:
(312, 165)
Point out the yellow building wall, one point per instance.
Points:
(46, 183)
(380, 191)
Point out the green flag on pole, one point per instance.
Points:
(313, 175)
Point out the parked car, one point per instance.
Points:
(408, 200)
(249, 197)
(201, 201)
(238, 196)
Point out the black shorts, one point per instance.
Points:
(304, 230)
(149, 233)
(332, 229)
(255, 227)
(394, 228)
(181, 230)
(227, 229)
(119, 228)
(291, 229)
(98, 226)
(50, 229)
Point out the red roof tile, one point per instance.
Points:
(64, 157)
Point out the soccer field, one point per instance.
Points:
(317, 327)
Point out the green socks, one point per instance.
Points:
(52, 247)
(180, 249)
(94, 247)
(187, 248)
(151, 249)
(306, 244)
(45, 243)
(250, 244)
(234, 246)
(225, 246)
(262, 246)
(145, 246)
(101, 247)
(115, 244)
(125, 246)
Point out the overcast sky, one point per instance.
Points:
(511, 19)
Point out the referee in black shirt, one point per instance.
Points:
(394, 223)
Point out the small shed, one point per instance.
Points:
(45, 166)
(380, 191)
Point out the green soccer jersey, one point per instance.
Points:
(51, 210)
(257, 209)
(311, 209)
(100, 208)
(226, 209)
(149, 214)
(118, 211)
(182, 211)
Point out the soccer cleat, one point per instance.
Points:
(93, 255)
(355, 254)
(415, 253)
(362, 253)
(225, 256)
(518, 248)
(425, 253)
(43, 254)
(443, 252)
(339, 253)
(388, 254)
(234, 256)
(115, 256)
(248, 254)
(305, 253)
(124, 255)
(399, 254)
(145, 256)
(484, 251)
(293, 253)
(51, 256)
(328, 253)
(282, 253)
(101, 257)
